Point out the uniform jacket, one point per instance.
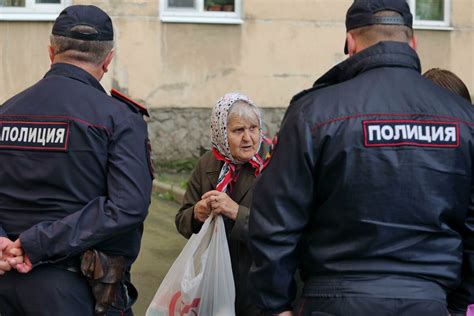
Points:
(75, 169)
(204, 179)
(369, 190)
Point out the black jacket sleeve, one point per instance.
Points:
(280, 210)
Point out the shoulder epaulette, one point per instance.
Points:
(298, 95)
(305, 92)
(135, 105)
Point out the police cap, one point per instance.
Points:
(87, 15)
(362, 13)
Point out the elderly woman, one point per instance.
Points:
(222, 183)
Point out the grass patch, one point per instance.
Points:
(183, 184)
(167, 196)
(177, 179)
(175, 173)
(176, 166)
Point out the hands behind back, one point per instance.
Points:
(23, 266)
(11, 255)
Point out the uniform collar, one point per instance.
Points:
(382, 54)
(74, 72)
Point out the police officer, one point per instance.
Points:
(369, 190)
(76, 175)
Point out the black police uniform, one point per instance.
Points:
(368, 193)
(76, 174)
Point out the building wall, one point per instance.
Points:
(280, 49)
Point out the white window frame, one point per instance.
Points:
(431, 24)
(199, 15)
(33, 11)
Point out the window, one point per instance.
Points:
(431, 13)
(201, 11)
(31, 10)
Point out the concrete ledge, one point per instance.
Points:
(176, 192)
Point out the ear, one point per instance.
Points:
(413, 42)
(351, 44)
(51, 53)
(107, 61)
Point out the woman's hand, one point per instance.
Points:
(202, 210)
(221, 203)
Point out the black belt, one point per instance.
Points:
(72, 264)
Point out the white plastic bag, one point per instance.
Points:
(200, 281)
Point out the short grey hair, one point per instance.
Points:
(93, 52)
(246, 111)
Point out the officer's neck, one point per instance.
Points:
(95, 70)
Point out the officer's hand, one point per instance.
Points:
(4, 264)
(18, 259)
(222, 204)
(202, 210)
(15, 257)
(13, 250)
(4, 243)
(26, 266)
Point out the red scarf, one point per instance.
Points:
(228, 173)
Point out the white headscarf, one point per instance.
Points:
(219, 120)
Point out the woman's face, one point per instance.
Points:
(243, 137)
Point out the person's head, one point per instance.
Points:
(448, 80)
(236, 128)
(83, 35)
(371, 21)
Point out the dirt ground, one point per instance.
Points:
(161, 244)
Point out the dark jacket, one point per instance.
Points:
(75, 169)
(202, 180)
(369, 190)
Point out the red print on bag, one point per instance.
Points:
(179, 307)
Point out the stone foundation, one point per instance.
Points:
(184, 133)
